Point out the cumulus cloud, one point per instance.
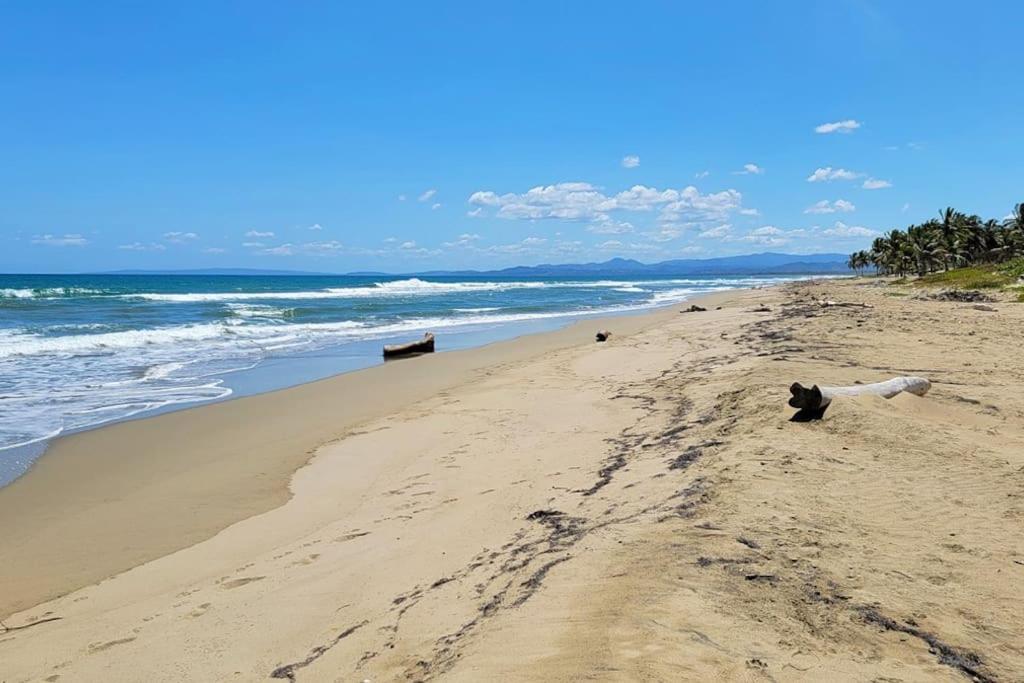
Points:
(258, 235)
(843, 230)
(578, 201)
(180, 237)
(718, 232)
(435, 206)
(876, 184)
(828, 174)
(606, 225)
(824, 206)
(66, 240)
(847, 126)
(139, 246)
(426, 196)
(767, 235)
(475, 213)
(315, 226)
(328, 247)
(466, 239)
(750, 169)
(630, 161)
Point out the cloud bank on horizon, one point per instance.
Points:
(379, 140)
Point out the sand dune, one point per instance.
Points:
(636, 510)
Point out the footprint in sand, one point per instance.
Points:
(100, 647)
(200, 611)
(236, 583)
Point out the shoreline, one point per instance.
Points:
(70, 502)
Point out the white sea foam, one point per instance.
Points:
(416, 287)
(48, 292)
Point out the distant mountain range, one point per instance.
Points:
(750, 264)
(767, 263)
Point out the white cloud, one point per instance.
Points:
(750, 169)
(464, 240)
(719, 232)
(253, 245)
(280, 250)
(583, 201)
(843, 230)
(435, 206)
(665, 234)
(66, 240)
(702, 174)
(402, 197)
(257, 234)
(847, 126)
(906, 207)
(426, 196)
(180, 237)
(767, 235)
(876, 184)
(630, 161)
(139, 246)
(828, 174)
(476, 213)
(606, 225)
(328, 247)
(214, 250)
(315, 226)
(534, 241)
(610, 244)
(750, 212)
(824, 206)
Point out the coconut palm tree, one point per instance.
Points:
(955, 239)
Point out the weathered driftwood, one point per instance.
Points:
(816, 399)
(825, 303)
(694, 308)
(602, 335)
(425, 345)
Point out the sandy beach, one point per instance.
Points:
(553, 509)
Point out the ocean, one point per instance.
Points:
(77, 351)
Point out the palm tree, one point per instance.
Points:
(954, 239)
(924, 248)
(949, 222)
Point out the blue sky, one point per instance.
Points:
(410, 136)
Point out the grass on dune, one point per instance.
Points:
(976, 277)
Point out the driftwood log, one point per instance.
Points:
(813, 402)
(425, 345)
(602, 335)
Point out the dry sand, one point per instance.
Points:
(556, 509)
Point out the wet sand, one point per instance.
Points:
(556, 509)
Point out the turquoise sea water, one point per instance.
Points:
(79, 351)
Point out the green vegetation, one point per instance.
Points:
(971, 253)
(975, 277)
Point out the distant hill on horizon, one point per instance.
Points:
(767, 263)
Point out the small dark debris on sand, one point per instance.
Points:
(694, 309)
(603, 335)
(964, 295)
